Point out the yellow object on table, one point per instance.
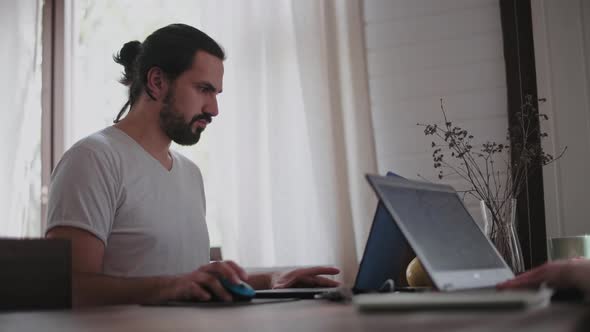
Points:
(416, 275)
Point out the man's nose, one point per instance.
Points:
(211, 107)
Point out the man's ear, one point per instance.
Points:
(156, 83)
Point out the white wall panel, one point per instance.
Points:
(419, 51)
(562, 53)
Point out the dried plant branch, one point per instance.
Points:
(477, 167)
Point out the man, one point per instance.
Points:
(134, 209)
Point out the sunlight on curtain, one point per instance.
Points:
(293, 139)
(20, 118)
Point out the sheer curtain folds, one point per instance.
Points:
(294, 140)
(20, 118)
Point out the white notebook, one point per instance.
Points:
(470, 299)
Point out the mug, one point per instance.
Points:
(569, 247)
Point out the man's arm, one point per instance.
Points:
(559, 274)
(302, 277)
(91, 287)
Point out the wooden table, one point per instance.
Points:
(294, 316)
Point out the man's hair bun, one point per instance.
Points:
(126, 57)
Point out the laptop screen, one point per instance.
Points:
(444, 230)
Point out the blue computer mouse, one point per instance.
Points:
(239, 292)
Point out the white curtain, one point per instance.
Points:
(285, 181)
(20, 118)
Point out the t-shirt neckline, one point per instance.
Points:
(144, 151)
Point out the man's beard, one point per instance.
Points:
(174, 125)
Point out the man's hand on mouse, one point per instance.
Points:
(203, 284)
(305, 277)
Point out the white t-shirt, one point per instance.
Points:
(151, 220)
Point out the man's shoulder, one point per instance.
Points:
(102, 142)
(102, 146)
(91, 156)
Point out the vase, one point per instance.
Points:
(500, 227)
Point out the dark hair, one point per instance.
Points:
(170, 48)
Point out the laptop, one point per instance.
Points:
(382, 267)
(451, 246)
(462, 263)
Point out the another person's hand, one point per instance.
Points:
(305, 277)
(203, 284)
(561, 274)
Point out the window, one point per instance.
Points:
(20, 118)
